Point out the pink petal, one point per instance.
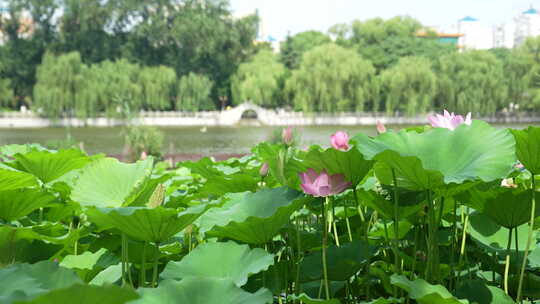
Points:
(312, 175)
(309, 189)
(382, 129)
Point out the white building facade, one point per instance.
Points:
(527, 24)
(475, 35)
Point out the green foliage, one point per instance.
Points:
(58, 82)
(202, 291)
(330, 79)
(294, 47)
(409, 86)
(238, 263)
(486, 153)
(193, 93)
(218, 232)
(384, 42)
(157, 87)
(258, 80)
(473, 81)
(145, 139)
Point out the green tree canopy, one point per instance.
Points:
(58, 81)
(384, 42)
(258, 80)
(472, 81)
(295, 46)
(193, 93)
(331, 78)
(409, 86)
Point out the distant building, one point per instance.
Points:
(448, 38)
(503, 35)
(475, 35)
(527, 24)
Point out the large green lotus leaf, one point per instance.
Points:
(48, 166)
(481, 293)
(220, 260)
(86, 294)
(146, 224)
(308, 300)
(12, 179)
(342, 262)
(109, 183)
(253, 218)
(24, 281)
(221, 178)
(408, 171)
(508, 207)
(425, 293)
(201, 291)
(493, 236)
(7, 151)
(87, 260)
(528, 148)
(15, 204)
(470, 152)
(47, 232)
(109, 275)
(349, 163)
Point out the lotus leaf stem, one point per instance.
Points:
(143, 266)
(396, 223)
(529, 240)
(324, 242)
(155, 268)
(507, 260)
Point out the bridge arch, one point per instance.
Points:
(234, 115)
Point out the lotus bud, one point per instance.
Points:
(340, 141)
(144, 155)
(380, 127)
(287, 136)
(264, 170)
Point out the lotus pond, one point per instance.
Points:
(430, 215)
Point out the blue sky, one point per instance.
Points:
(281, 16)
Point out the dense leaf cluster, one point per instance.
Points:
(422, 222)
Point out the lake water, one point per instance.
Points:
(183, 140)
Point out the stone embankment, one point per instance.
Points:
(234, 116)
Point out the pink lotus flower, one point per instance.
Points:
(340, 141)
(264, 170)
(380, 127)
(449, 121)
(287, 135)
(322, 185)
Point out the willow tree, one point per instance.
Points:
(193, 93)
(58, 80)
(517, 71)
(118, 82)
(157, 84)
(529, 53)
(258, 80)
(409, 86)
(331, 78)
(472, 81)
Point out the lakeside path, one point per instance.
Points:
(234, 116)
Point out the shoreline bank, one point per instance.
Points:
(234, 117)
